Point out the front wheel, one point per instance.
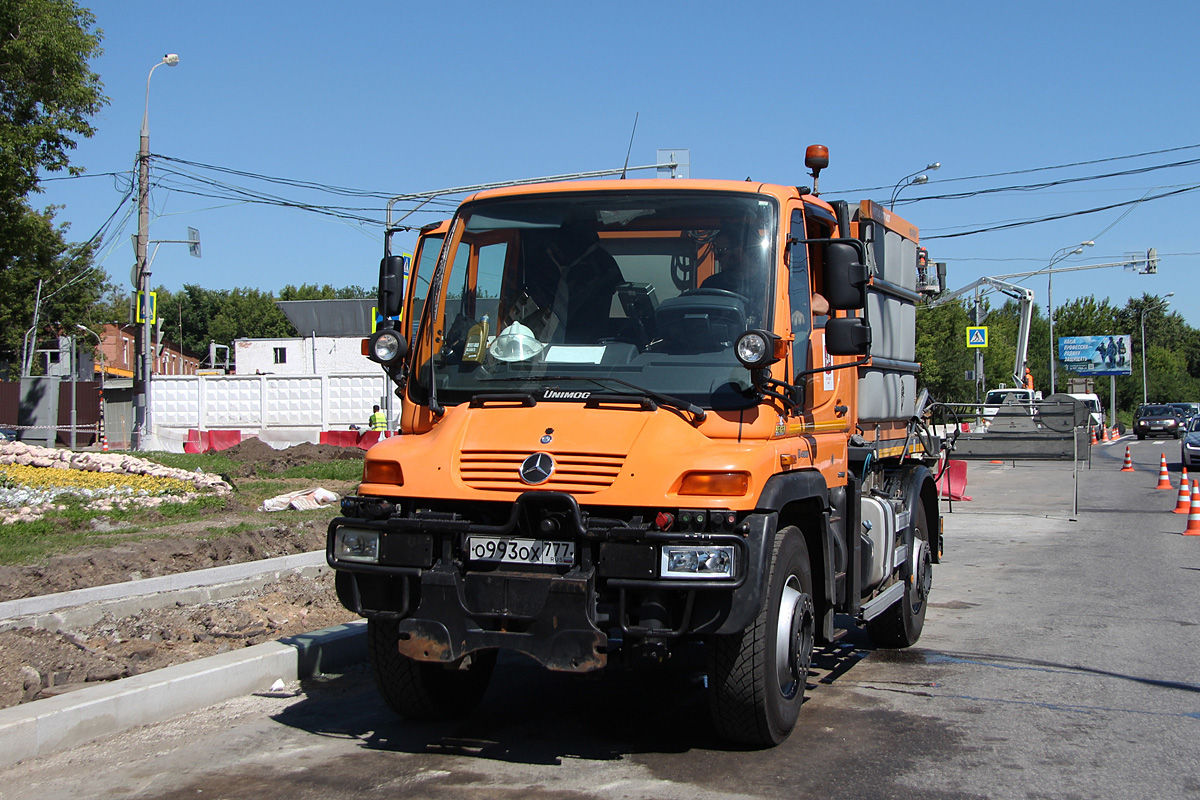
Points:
(901, 625)
(756, 679)
(420, 690)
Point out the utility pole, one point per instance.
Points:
(145, 360)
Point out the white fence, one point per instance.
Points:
(282, 410)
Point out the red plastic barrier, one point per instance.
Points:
(367, 438)
(339, 438)
(223, 440)
(197, 441)
(954, 480)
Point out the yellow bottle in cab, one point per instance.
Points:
(476, 341)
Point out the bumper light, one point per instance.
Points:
(697, 562)
(355, 544)
(715, 484)
(380, 471)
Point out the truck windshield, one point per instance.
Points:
(650, 288)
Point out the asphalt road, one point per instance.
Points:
(1059, 660)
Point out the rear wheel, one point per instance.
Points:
(901, 625)
(756, 679)
(422, 690)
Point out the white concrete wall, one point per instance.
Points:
(282, 410)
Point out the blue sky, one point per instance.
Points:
(393, 97)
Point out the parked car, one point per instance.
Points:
(1189, 448)
(1158, 420)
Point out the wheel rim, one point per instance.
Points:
(794, 635)
(922, 576)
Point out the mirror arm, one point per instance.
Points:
(862, 362)
(787, 396)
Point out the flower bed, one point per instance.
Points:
(34, 480)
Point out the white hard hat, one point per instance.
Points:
(515, 343)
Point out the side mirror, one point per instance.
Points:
(391, 286)
(848, 336)
(845, 277)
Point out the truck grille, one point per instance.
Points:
(578, 473)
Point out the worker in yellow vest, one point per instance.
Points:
(377, 420)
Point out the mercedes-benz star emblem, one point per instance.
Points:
(537, 468)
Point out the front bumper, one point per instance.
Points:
(1156, 429)
(448, 606)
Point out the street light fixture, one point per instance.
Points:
(1165, 303)
(141, 400)
(1059, 255)
(914, 179)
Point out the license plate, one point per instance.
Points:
(520, 551)
(1156, 427)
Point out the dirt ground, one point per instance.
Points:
(36, 664)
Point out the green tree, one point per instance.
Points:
(1171, 373)
(196, 316)
(309, 291)
(47, 95)
(943, 354)
(33, 249)
(48, 92)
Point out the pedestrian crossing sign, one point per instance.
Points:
(977, 337)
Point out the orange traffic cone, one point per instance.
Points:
(104, 444)
(1184, 477)
(1193, 523)
(1128, 467)
(1094, 438)
(1164, 477)
(1183, 503)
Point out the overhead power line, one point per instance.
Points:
(1033, 169)
(1065, 215)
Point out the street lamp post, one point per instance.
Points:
(1058, 256)
(141, 400)
(914, 179)
(1165, 303)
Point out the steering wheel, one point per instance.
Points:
(713, 292)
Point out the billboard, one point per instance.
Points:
(1096, 355)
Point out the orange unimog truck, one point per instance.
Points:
(638, 415)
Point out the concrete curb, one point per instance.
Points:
(60, 723)
(83, 607)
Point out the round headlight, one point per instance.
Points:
(387, 347)
(754, 349)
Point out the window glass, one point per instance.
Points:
(593, 289)
(430, 246)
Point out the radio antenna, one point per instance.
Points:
(630, 149)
